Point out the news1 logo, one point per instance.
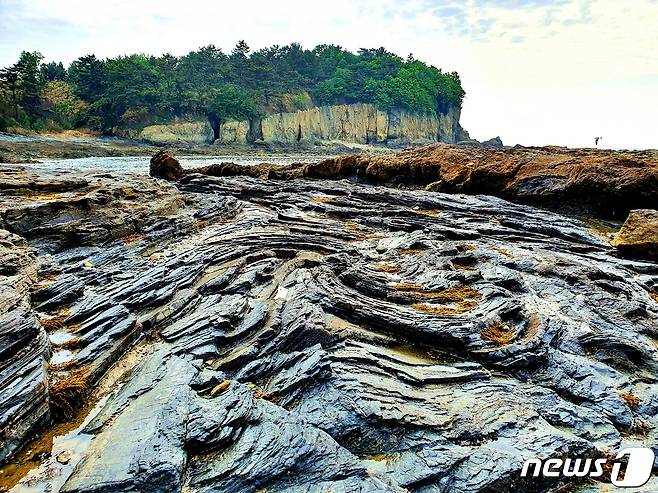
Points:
(636, 473)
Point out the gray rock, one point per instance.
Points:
(311, 334)
(24, 349)
(141, 447)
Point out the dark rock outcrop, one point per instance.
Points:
(24, 348)
(494, 142)
(59, 210)
(310, 335)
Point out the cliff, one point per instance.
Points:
(350, 123)
(179, 131)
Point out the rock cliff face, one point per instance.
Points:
(187, 132)
(350, 123)
(197, 132)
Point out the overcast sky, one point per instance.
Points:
(535, 71)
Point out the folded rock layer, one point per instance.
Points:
(320, 335)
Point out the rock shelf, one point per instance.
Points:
(319, 334)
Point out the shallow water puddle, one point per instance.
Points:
(61, 356)
(67, 450)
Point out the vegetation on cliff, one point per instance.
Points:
(137, 90)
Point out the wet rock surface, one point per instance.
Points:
(24, 348)
(319, 335)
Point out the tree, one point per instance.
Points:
(86, 74)
(241, 50)
(30, 80)
(336, 89)
(53, 71)
(206, 67)
(138, 90)
(9, 77)
(229, 103)
(63, 103)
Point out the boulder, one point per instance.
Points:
(639, 234)
(165, 165)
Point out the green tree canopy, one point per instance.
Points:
(136, 89)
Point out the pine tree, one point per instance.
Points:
(9, 77)
(31, 84)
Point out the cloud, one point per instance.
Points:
(535, 71)
(450, 11)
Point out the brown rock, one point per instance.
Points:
(602, 182)
(165, 165)
(608, 183)
(639, 234)
(219, 388)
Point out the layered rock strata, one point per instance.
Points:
(346, 123)
(601, 182)
(311, 335)
(24, 348)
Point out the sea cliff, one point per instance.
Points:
(346, 123)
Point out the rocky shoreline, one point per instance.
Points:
(594, 182)
(303, 328)
(32, 148)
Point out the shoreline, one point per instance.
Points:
(26, 149)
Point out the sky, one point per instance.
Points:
(536, 72)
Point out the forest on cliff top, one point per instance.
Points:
(137, 90)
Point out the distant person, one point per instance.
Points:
(596, 140)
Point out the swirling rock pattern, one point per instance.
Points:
(317, 335)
